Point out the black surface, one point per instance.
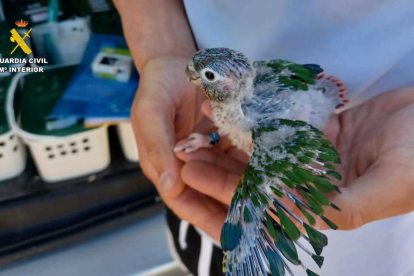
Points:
(36, 216)
(190, 256)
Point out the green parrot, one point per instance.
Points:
(274, 111)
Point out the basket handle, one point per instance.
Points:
(11, 114)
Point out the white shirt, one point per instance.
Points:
(368, 44)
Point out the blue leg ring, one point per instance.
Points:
(215, 138)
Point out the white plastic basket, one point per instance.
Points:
(128, 143)
(60, 158)
(70, 156)
(12, 156)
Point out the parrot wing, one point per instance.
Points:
(276, 76)
(290, 161)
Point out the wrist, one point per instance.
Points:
(154, 59)
(158, 63)
(155, 28)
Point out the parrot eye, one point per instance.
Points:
(209, 75)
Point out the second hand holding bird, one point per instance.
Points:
(235, 239)
(375, 142)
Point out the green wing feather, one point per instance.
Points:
(300, 167)
(287, 75)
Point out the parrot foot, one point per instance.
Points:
(194, 142)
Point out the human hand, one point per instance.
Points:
(376, 145)
(160, 116)
(166, 110)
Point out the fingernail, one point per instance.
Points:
(166, 182)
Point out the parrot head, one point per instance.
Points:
(221, 73)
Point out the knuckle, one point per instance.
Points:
(148, 171)
(356, 219)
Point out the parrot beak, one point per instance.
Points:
(192, 75)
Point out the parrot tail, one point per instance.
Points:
(290, 160)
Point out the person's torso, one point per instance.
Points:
(368, 44)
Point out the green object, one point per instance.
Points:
(292, 171)
(316, 239)
(275, 263)
(118, 51)
(53, 11)
(48, 45)
(108, 23)
(231, 234)
(87, 7)
(38, 96)
(290, 228)
(318, 260)
(4, 85)
(287, 247)
(308, 216)
(32, 10)
(270, 228)
(247, 215)
(106, 76)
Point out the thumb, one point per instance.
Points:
(154, 130)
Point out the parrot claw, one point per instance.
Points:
(194, 142)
